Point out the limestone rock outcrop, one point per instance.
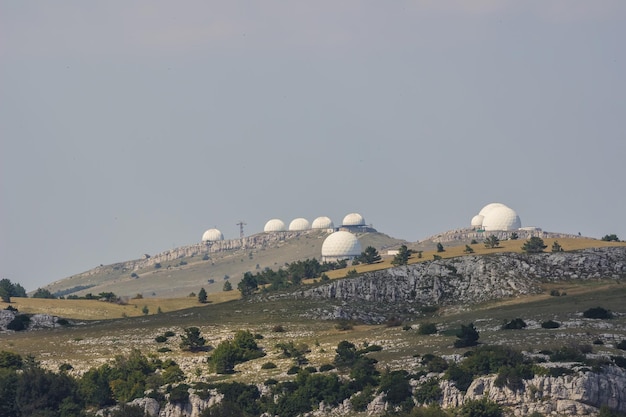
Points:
(474, 279)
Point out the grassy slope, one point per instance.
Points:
(178, 281)
(88, 344)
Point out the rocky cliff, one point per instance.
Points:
(473, 279)
(581, 394)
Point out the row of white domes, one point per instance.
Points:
(298, 224)
(496, 216)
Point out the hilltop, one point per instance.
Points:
(183, 270)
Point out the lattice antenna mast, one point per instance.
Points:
(241, 224)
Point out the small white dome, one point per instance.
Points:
(212, 235)
(274, 225)
(299, 224)
(323, 223)
(490, 207)
(353, 219)
(341, 245)
(501, 218)
(477, 220)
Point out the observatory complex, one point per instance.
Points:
(496, 217)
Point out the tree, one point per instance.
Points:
(145, 310)
(467, 335)
(192, 340)
(5, 295)
(514, 236)
(556, 247)
(440, 247)
(202, 295)
(468, 249)
(534, 245)
(492, 242)
(248, 285)
(370, 255)
(227, 286)
(610, 238)
(402, 257)
(42, 293)
(9, 289)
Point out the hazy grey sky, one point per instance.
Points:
(132, 127)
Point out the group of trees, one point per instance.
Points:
(27, 390)
(227, 354)
(9, 289)
(287, 277)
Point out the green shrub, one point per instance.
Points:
(326, 367)
(427, 328)
(481, 408)
(428, 392)
(597, 313)
(361, 400)
(567, 354)
(160, 339)
(515, 324)
(268, 365)
(550, 324)
(293, 370)
(169, 333)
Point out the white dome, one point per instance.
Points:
(274, 225)
(477, 220)
(323, 223)
(353, 219)
(501, 218)
(299, 224)
(490, 207)
(212, 235)
(341, 245)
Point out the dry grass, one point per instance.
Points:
(100, 310)
(568, 244)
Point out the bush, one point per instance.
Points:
(467, 335)
(427, 328)
(621, 345)
(361, 400)
(169, 333)
(160, 339)
(515, 324)
(326, 367)
(19, 323)
(550, 324)
(344, 325)
(481, 408)
(293, 370)
(393, 322)
(428, 392)
(597, 313)
(567, 354)
(278, 329)
(268, 365)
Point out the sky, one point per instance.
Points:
(132, 127)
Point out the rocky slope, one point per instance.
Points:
(465, 280)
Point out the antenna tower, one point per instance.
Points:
(241, 224)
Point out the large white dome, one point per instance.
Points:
(501, 218)
(341, 245)
(477, 221)
(323, 223)
(489, 207)
(274, 225)
(353, 219)
(212, 235)
(299, 224)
